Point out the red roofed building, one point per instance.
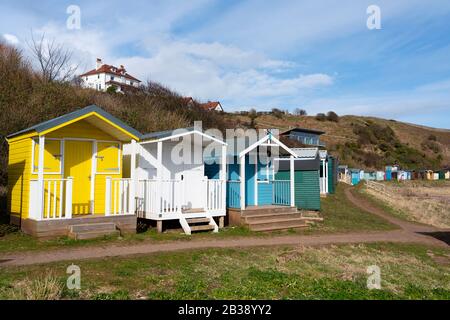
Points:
(212, 106)
(105, 76)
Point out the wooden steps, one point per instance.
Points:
(202, 223)
(93, 230)
(272, 219)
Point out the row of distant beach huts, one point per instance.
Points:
(391, 173)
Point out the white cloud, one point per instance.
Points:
(215, 71)
(10, 38)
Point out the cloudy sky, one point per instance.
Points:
(317, 55)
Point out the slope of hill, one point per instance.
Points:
(366, 142)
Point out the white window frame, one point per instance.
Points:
(61, 159)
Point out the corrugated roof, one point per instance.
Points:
(309, 153)
(43, 126)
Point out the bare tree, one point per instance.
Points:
(55, 61)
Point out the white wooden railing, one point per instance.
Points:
(52, 200)
(165, 197)
(215, 194)
(118, 196)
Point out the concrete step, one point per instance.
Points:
(292, 224)
(203, 227)
(103, 226)
(258, 217)
(259, 211)
(276, 221)
(197, 220)
(93, 234)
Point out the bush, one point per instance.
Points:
(432, 137)
(332, 116)
(321, 117)
(300, 112)
(44, 288)
(111, 89)
(277, 113)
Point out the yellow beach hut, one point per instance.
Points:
(65, 176)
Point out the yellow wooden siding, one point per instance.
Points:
(100, 183)
(81, 130)
(19, 171)
(52, 156)
(108, 157)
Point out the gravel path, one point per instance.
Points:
(409, 233)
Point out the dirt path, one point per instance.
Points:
(409, 233)
(442, 235)
(366, 205)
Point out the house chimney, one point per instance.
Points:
(122, 69)
(99, 63)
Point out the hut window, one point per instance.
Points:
(52, 156)
(108, 157)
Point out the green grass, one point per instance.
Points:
(333, 272)
(340, 216)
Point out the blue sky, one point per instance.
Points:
(316, 55)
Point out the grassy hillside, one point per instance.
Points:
(366, 142)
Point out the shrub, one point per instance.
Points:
(332, 116)
(300, 112)
(111, 89)
(43, 288)
(432, 137)
(321, 117)
(277, 113)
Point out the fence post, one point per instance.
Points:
(292, 182)
(132, 190)
(108, 196)
(69, 188)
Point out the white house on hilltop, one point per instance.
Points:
(105, 76)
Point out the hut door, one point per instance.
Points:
(77, 164)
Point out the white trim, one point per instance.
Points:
(256, 181)
(61, 150)
(242, 179)
(133, 176)
(41, 177)
(264, 139)
(292, 182)
(93, 171)
(182, 135)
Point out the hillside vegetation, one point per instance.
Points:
(365, 142)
